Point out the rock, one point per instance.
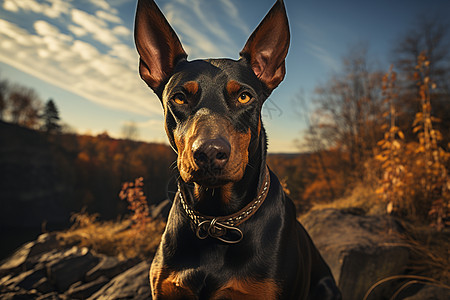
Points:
(51, 296)
(83, 291)
(132, 284)
(3, 280)
(27, 279)
(71, 267)
(45, 269)
(109, 267)
(16, 293)
(23, 257)
(43, 286)
(360, 250)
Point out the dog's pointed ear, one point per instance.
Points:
(267, 47)
(158, 45)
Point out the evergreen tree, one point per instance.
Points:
(51, 117)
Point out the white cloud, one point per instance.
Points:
(59, 7)
(43, 53)
(44, 28)
(210, 23)
(57, 48)
(151, 123)
(235, 16)
(195, 43)
(97, 27)
(84, 50)
(199, 24)
(78, 67)
(53, 10)
(316, 40)
(14, 34)
(78, 31)
(27, 5)
(58, 51)
(125, 54)
(323, 55)
(10, 5)
(103, 4)
(108, 17)
(121, 30)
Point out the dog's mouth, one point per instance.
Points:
(211, 178)
(211, 182)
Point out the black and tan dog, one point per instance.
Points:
(232, 233)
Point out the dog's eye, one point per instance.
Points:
(179, 98)
(244, 98)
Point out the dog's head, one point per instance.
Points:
(212, 107)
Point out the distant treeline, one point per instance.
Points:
(45, 177)
(98, 165)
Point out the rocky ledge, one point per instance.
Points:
(360, 250)
(44, 269)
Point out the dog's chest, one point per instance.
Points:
(180, 285)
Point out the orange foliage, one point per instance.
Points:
(137, 203)
(415, 182)
(96, 166)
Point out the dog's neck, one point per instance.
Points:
(231, 197)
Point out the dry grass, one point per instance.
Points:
(429, 262)
(117, 238)
(135, 236)
(410, 280)
(362, 198)
(430, 252)
(429, 248)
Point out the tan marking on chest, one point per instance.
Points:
(248, 289)
(167, 284)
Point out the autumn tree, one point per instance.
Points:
(415, 181)
(318, 171)
(429, 35)
(130, 131)
(24, 105)
(348, 112)
(51, 117)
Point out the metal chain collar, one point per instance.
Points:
(218, 227)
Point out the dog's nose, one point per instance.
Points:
(211, 154)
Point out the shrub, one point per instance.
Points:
(415, 182)
(135, 236)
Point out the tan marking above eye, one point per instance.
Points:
(233, 87)
(191, 87)
(244, 98)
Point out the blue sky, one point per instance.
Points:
(81, 53)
